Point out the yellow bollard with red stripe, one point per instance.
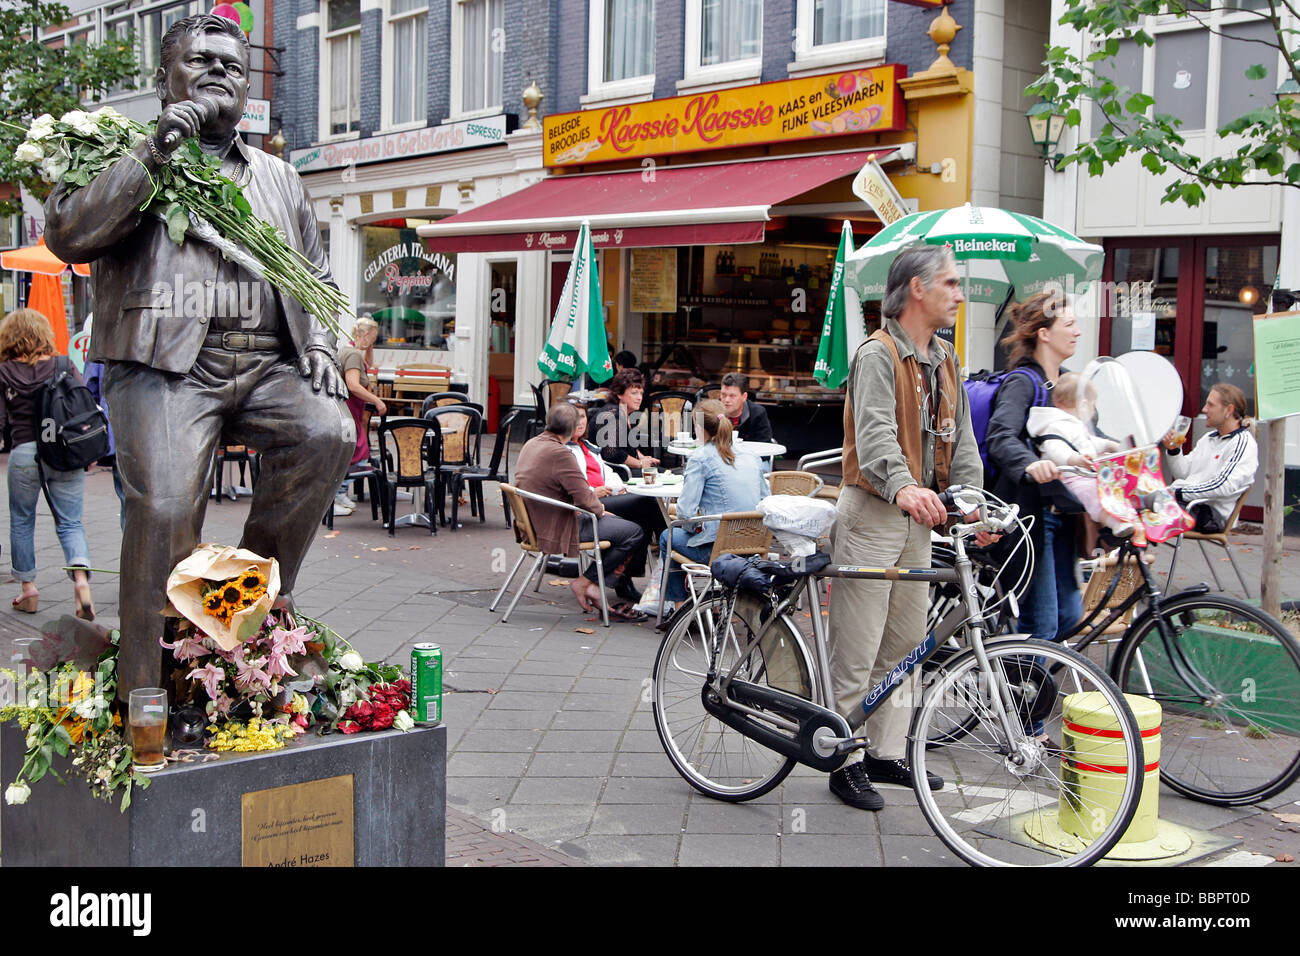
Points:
(1094, 766)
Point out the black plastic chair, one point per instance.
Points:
(408, 455)
(498, 469)
(670, 413)
(446, 398)
(537, 423)
(712, 390)
(234, 455)
(362, 474)
(460, 431)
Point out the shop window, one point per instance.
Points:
(1182, 65)
(407, 288)
(407, 63)
(1240, 50)
(755, 309)
(341, 68)
(832, 31)
(478, 56)
(1238, 282)
(622, 48)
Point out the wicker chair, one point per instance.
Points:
(1221, 539)
(517, 500)
(824, 459)
(802, 483)
(411, 461)
(740, 532)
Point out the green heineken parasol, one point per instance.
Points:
(842, 329)
(577, 340)
(995, 250)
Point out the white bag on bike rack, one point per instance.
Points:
(797, 522)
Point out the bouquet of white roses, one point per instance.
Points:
(190, 195)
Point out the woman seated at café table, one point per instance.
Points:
(609, 488)
(620, 428)
(718, 480)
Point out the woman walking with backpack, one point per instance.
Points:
(27, 363)
(1044, 334)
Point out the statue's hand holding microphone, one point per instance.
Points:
(179, 122)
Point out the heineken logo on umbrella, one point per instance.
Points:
(576, 344)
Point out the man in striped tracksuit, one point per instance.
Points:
(1221, 466)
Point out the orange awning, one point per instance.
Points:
(38, 259)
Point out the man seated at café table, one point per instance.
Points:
(546, 467)
(748, 419)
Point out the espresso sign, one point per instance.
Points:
(810, 107)
(306, 824)
(465, 134)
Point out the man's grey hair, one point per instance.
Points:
(195, 25)
(921, 261)
(562, 419)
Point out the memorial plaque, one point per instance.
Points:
(305, 824)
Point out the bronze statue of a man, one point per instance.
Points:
(200, 351)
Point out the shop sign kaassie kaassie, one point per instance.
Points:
(832, 104)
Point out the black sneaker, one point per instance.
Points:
(897, 771)
(852, 785)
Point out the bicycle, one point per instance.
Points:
(739, 699)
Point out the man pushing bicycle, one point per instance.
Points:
(907, 437)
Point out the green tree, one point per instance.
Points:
(1263, 139)
(36, 78)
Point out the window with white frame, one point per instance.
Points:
(406, 65)
(629, 40)
(724, 40)
(478, 56)
(341, 67)
(1196, 68)
(829, 31)
(621, 49)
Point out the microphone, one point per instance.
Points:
(208, 109)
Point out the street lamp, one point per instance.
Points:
(1045, 129)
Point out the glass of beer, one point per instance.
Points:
(21, 657)
(148, 720)
(1182, 424)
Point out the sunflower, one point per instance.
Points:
(252, 580)
(212, 603)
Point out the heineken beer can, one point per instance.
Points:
(426, 683)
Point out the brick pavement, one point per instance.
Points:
(553, 756)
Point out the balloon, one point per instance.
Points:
(245, 16)
(227, 11)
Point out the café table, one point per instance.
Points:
(664, 492)
(769, 450)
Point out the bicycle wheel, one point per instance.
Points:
(1234, 737)
(1055, 807)
(716, 759)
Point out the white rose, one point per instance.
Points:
(42, 127)
(33, 736)
(55, 166)
(351, 661)
(29, 152)
(403, 721)
(17, 793)
(72, 117)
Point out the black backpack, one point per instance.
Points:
(73, 430)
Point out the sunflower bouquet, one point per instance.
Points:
(224, 592)
(224, 599)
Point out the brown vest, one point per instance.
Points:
(909, 404)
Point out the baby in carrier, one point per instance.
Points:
(1060, 435)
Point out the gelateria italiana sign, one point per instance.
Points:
(465, 134)
(811, 107)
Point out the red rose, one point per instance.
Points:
(348, 727)
(362, 710)
(382, 723)
(382, 712)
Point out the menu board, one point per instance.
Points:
(1277, 365)
(652, 279)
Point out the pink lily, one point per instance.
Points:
(213, 678)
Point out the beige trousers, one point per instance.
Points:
(873, 624)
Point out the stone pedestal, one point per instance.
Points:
(207, 814)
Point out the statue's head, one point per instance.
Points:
(205, 57)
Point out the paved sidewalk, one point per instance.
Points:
(553, 756)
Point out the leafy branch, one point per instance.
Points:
(1261, 143)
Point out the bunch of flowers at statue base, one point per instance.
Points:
(189, 194)
(69, 711)
(296, 673)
